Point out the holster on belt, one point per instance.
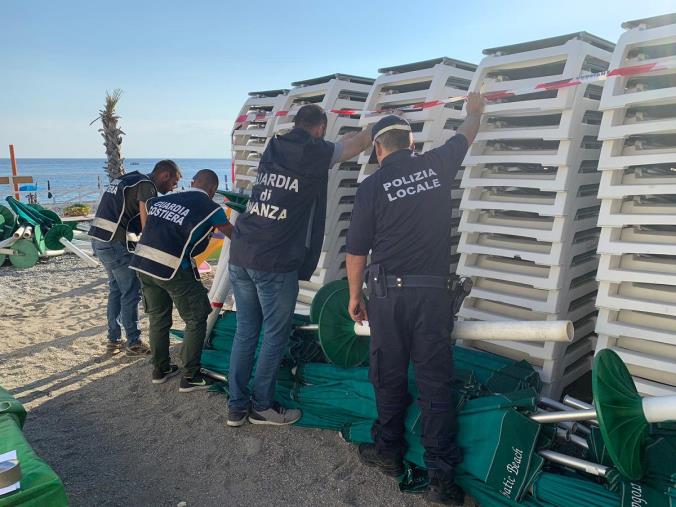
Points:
(376, 281)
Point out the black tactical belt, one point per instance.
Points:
(418, 282)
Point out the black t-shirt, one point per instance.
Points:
(282, 229)
(402, 212)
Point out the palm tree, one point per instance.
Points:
(112, 135)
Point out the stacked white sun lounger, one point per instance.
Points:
(529, 205)
(249, 142)
(637, 247)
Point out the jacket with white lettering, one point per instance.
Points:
(172, 219)
(403, 213)
(110, 211)
(282, 229)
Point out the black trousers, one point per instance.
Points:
(414, 325)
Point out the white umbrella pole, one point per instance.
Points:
(81, 254)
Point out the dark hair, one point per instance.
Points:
(310, 116)
(395, 140)
(206, 177)
(166, 166)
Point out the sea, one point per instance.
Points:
(68, 180)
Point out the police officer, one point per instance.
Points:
(402, 215)
(275, 243)
(177, 229)
(115, 227)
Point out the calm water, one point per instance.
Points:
(79, 179)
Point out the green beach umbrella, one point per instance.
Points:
(25, 255)
(336, 332)
(7, 222)
(572, 491)
(322, 295)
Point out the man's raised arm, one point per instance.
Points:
(354, 144)
(475, 107)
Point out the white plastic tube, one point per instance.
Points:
(8, 242)
(659, 408)
(81, 254)
(27, 232)
(18, 233)
(525, 331)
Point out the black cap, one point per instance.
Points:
(387, 123)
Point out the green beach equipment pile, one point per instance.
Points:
(29, 231)
(515, 452)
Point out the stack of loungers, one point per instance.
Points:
(249, 142)
(529, 206)
(637, 247)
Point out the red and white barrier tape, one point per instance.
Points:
(491, 96)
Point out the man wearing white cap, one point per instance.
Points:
(402, 216)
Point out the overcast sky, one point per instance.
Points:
(186, 67)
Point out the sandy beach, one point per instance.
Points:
(116, 439)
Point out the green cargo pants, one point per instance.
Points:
(192, 303)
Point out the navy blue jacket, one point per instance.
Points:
(282, 229)
(172, 219)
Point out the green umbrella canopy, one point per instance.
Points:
(25, 255)
(341, 345)
(322, 295)
(619, 411)
(8, 222)
(28, 214)
(571, 491)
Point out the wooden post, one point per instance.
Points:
(17, 195)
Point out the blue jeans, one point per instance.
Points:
(264, 300)
(124, 291)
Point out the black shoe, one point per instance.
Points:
(198, 382)
(369, 456)
(237, 417)
(445, 493)
(161, 376)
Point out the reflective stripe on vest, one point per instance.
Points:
(166, 236)
(158, 256)
(104, 224)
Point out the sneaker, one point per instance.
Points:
(197, 383)
(138, 349)
(114, 346)
(161, 376)
(370, 457)
(276, 415)
(445, 493)
(237, 417)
